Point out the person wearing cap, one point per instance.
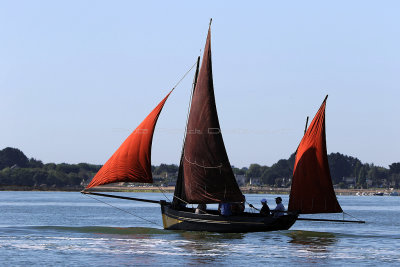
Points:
(265, 209)
(279, 207)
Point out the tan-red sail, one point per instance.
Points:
(312, 189)
(132, 161)
(206, 175)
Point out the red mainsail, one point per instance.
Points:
(132, 161)
(312, 189)
(206, 175)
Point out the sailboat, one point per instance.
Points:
(205, 174)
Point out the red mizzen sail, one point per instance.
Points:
(207, 174)
(132, 161)
(312, 189)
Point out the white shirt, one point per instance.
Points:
(279, 207)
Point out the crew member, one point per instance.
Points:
(278, 211)
(265, 209)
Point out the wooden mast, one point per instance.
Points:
(305, 129)
(179, 187)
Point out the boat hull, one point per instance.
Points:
(247, 222)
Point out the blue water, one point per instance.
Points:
(70, 229)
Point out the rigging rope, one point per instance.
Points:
(190, 102)
(184, 76)
(162, 191)
(351, 216)
(181, 199)
(123, 210)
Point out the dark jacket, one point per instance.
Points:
(265, 210)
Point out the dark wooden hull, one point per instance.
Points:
(247, 222)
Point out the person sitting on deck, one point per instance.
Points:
(279, 208)
(265, 209)
(225, 209)
(201, 209)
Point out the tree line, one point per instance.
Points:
(341, 166)
(18, 170)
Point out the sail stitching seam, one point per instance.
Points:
(202, 166)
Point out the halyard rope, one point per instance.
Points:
(184, 76)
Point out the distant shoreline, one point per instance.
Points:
(170, 189)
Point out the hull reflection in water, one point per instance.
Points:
(312, 238)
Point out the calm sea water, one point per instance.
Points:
(70, 229)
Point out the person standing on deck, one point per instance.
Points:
(278, 211)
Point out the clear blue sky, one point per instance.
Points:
(76, 77)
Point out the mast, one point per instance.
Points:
(179, 193)
(305, 128)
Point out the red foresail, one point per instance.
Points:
(132, 161)
(312, 190)
(207, 173)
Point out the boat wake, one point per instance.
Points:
(310, 235)
(98, 230)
